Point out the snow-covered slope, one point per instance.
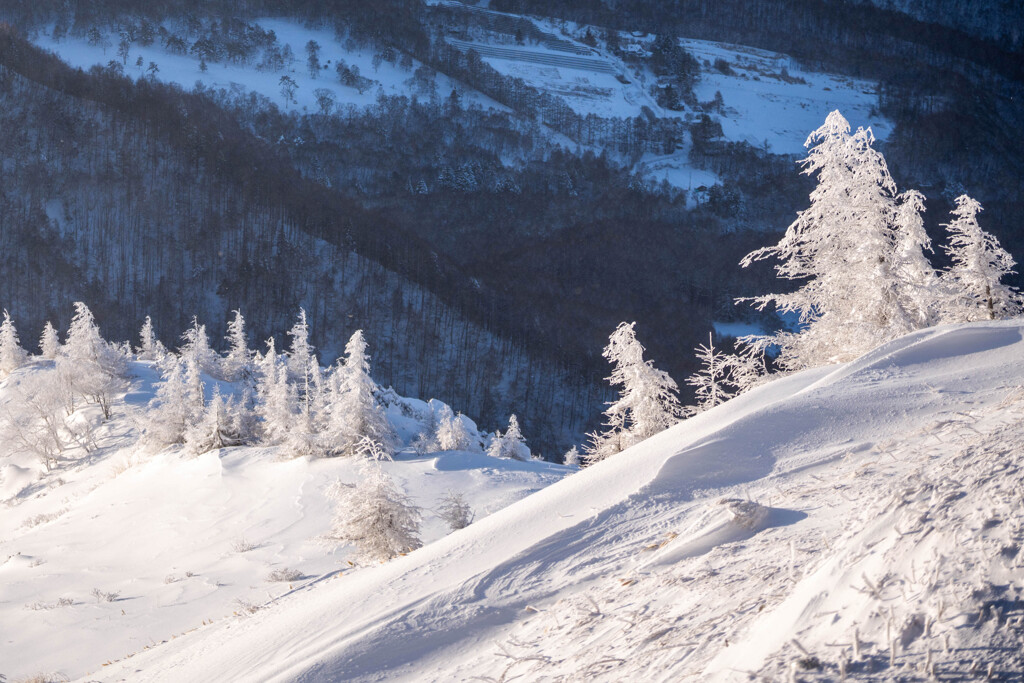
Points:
(120, 549)
(861, 518)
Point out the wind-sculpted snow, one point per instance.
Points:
(856, 519)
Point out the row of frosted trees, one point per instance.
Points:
(859, 252)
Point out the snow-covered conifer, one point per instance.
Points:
(916, 280)
(196, 351)
(216, 428)
(12, 356)
(175, 409)
(49, 344)
(713, 381)
(374, 515)
(847, 249)
(572, 457)
(352, 409)
(647, 404)
(452, 434)
(84, 343)
(276, 399)
(238, 362)
(455, 511)
(510, 444)
(974, 279)
(150, 348)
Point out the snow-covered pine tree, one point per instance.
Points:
(150, 348)
(175, 409)
(713, 382)
(353, 412)
(647, 404)
(12, 356)
(917, 281)
(88, 364)
(299, 352)
(196, 350)
(374, 515)
(510, 444)
(572, 457)
(237, 365)
(452, 434)
(276, 402)
(49, 343)
(844, 247)
(974, 279)
(217, 428)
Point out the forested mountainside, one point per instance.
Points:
(149, 201)
(528, 204)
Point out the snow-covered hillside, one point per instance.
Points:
(121, 548)
(859, 520)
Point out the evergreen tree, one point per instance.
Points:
(647, 404)
(237, 365)
(510, 444)
(49, 344)
(276, 399)
(455, 511)
(974, 279)
(452, 434)
(176, 408)
(196, 351)
(846, 247)
(353, 412)
(572, 457)
(12, 356)
(218, 427)
(150, 347)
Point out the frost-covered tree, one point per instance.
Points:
(276, 400)
(196, 351)
(917, 281)
(176, 408)
(648, 402)
(374, 515)
(150, 348)
(455, 511)
(12, 356)
(218, 427)
(713, 382)
(847, 250)
(452, 433)
(49, 343)
(237, 365)
(353, 412)
(510, 444)
(572, 457)
(973, 282)
(92, 367)
(303, 367)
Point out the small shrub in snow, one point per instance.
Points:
(245, 607)
(284, 575)
(59, 602)
(455, 511)
(103, 596)
(42, 518)
(572, 457)
(374, 514)
(452, 434)
(242, 545)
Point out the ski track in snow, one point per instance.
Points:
(843, 516)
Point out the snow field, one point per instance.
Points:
(857, 518)
(122, 549)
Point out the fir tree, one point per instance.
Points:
(49, 344)
(237, 365)
(353, 411)
(12, 356)
(150, 347)
(647, 404)
(979, 264)
(510, 444)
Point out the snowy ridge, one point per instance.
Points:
(858, 519)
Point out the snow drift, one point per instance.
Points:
(858, 520)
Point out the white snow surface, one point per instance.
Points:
(175, 542)
(863, 516)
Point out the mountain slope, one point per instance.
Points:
(858, 516)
